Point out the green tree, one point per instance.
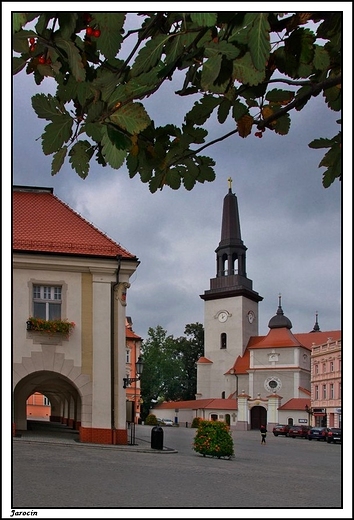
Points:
(170, 371)
(191, 348)
(251, 68)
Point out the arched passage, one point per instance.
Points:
(63, 394)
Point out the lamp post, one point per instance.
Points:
(139, 365)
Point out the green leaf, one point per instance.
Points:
(58, 160)
(280, 96)
(173, 177)
(223, 47)
(18, 64)
(224, 109)
(244, 71)
(67, 23)
(110, 25)
(238, 110)
(210, 71)
(321, 60)
(149, 55)
(20, 41)
(259, 40)
(120, 140)
(202, 110)
(95, 131)
(18, 20)
(132, 117)
(80, 155)
(74, 58)
(46, 107)
(112, 155)
(282, 125)
(321, 143)
(132, 165)
(204, 19)
(56, 134)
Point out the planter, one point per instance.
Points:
(50, 327)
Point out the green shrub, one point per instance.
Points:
(213, 438)
(151, 420)
(196, 422)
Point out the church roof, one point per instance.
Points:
(43, 223)
(282, 338)
(278, 337)
(296, 403)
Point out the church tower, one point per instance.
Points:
(230, 308)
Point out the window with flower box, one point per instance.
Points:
(47, 302)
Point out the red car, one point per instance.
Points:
(299, 431)
(281, 429)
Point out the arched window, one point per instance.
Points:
(223, 340)
(222, 395)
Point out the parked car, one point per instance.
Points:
(318, 433)
(299, 431)
(167, 422)
(334, 435)
(281, 429)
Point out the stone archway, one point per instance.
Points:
(64, 396)
(258, 417)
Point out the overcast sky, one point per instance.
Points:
(290, 224)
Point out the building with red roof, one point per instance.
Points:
(70, 284)
(245, 379)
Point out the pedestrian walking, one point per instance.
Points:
(263, 431)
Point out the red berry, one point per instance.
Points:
(32, 41)
(97, 33)
(89, 31)
(32, 48)
(42, 60)
(258, 134)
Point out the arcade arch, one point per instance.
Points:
(64, 396)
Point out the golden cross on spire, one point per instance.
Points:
(230, 182)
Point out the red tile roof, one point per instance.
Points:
(280, 338)
(198, 404)
(309, 338)
(43, 223)
(129, 334)
(296, 403)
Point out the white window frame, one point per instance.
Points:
(48, 283)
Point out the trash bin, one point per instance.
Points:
(157, 438)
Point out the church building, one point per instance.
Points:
(245, 379)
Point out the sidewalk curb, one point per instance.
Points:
(120, 447)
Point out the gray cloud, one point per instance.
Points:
(290, 224)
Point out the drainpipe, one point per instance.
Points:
(114, 285)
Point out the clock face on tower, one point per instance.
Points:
(222, 316)
(251, 316)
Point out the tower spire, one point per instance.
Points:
(316, 327)
(231, 255)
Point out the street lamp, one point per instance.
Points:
(127, 381)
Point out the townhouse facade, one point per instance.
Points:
(70, 283)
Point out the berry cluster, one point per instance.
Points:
(43, 59)
(91, 31)
(260, 133)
